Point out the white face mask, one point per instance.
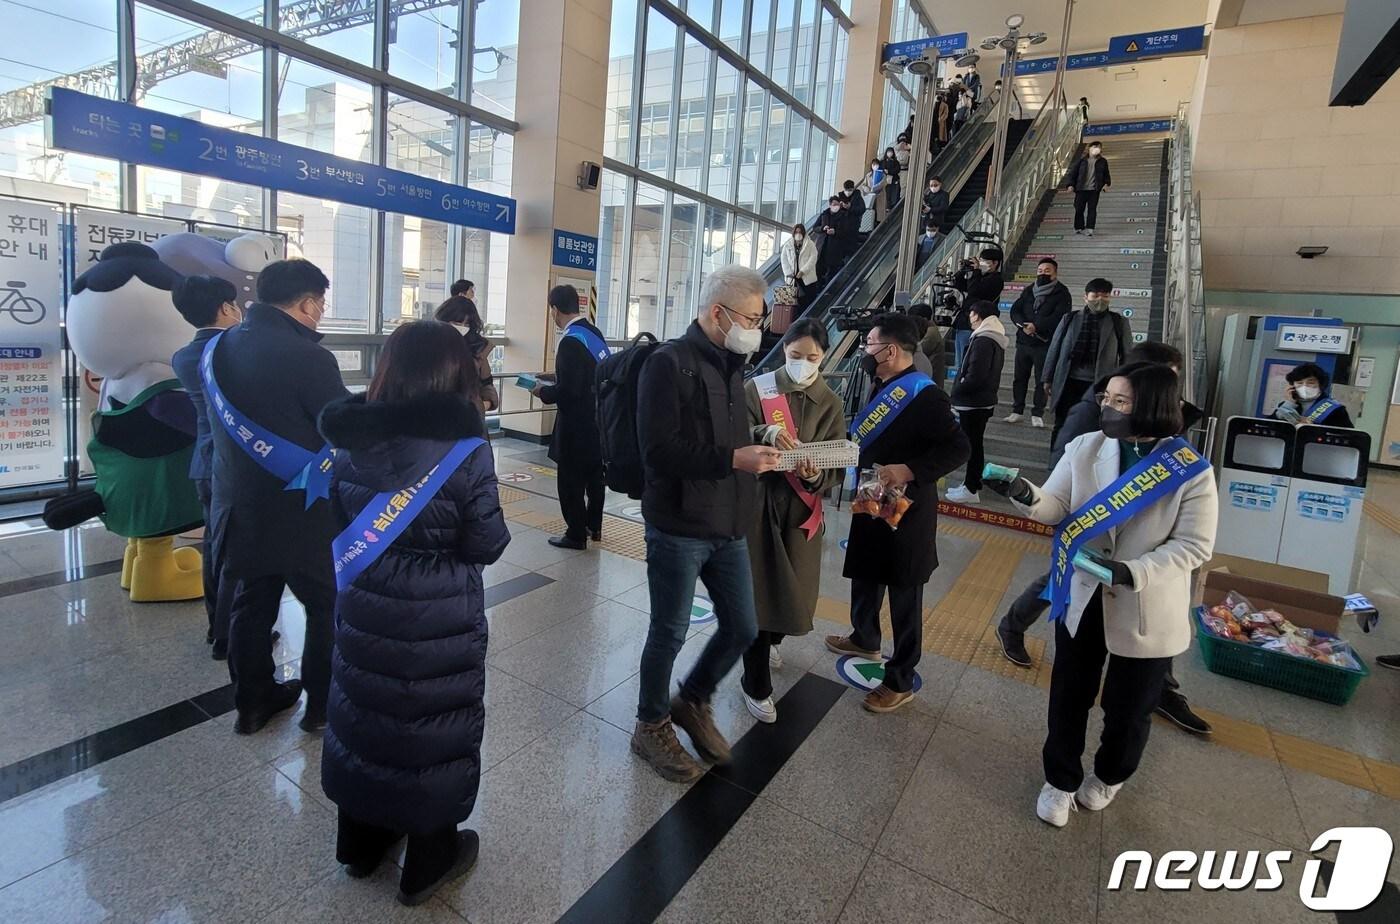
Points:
(986, 266)
(741, 341)
(802, 371)
(1307, 392)
(797, 239)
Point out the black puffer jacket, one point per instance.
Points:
(403, 746)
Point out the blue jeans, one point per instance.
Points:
(960, 341)
(673, 564)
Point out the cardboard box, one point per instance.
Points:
(1259, 570)
(1307, 608)
(1268, 571)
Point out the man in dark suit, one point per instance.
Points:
(575, 445)
(210, 304)
(915, 444)
(273, 375)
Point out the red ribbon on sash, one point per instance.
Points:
(777, 412)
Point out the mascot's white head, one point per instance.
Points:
(122, 323)
(239, 261)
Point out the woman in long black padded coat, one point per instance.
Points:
(403, 744)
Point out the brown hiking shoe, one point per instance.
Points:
(657, 745)
(841, 644)
(883, 699)
(698, 721)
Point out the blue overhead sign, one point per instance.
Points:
(1139, 127)
(1153, 44)
(1072, 63)
(577, 251)
(92, 125)
(946, 45)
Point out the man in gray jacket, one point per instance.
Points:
(1088, 345)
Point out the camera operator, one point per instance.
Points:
(979, 282)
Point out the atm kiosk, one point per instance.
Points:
(1324, 509)
(1254, 487)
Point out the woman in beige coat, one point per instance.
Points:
(1140, 620)
(786, 557)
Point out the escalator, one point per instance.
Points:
(867, 281)
(868, 275)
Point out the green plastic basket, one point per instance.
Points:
(1243, 661)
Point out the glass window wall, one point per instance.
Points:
(384, 268)
(730, 141)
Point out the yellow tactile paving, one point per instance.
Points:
(509, 495)
(621, 536)
(1239, 735)
(1323, 760)
(1382, 516)
(1385, 776)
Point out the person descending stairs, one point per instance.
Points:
(1127, 249)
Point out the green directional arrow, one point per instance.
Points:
(871, 671)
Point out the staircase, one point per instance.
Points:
(1126, 249)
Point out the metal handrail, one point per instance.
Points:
(1183, 323)
(1040, 160)
(865, 278)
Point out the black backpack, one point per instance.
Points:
(616, 378)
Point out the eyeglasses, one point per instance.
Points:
(1117, 402)
(746, 321)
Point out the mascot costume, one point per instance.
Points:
(239, 261)
(123, 326)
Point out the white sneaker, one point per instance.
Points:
(961, 495)
(775, 658)
(1079, 231)
(1094, 794)
(1089, 231)
(762, 709)
(1013, 418)
(1038, 423)
(1054, 806)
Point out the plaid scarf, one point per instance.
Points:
(1086, 345)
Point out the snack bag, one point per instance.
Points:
(875, 498)
(1239, 604)
(869, 492)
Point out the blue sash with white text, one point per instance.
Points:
(298, 467)
(389, 513)
(888, 403)
(591, 341)
(1160, 475)
(1321, 410)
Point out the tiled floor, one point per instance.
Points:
(922, 816)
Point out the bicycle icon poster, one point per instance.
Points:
(31, 343)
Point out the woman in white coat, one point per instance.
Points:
(799, 257)
(1137, 618)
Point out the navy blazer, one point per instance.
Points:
(274, 370)
(186, 365)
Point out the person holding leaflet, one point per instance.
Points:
(788, 407)
(1135, 506)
